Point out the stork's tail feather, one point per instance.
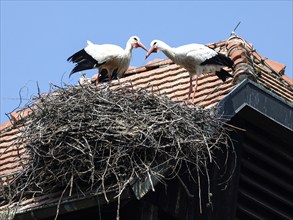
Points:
(223, 75)
(83, 61)
(226, 60)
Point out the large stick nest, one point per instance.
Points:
(88, 140)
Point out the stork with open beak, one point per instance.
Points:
(105, 57)
(196, 59)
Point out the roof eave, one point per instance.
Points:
(252, 95)
(70, 205)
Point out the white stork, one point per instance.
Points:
(105, 57)
(196, 59)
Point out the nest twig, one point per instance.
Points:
(91, 140)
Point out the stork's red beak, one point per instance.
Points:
(151, 50)
(139, 44)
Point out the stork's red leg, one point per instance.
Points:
(195, 89)
(190, 87)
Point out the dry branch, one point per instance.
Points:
(91, 140)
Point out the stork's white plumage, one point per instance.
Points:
(196, 59)
(105, 57)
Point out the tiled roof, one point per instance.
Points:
(11, 152)
(165, 77)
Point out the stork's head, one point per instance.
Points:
(155, 47)
(135, 42)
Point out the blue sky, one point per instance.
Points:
(38, 36)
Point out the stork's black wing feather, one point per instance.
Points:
(219, 59)
(83, 61)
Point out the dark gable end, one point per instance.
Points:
(261, 188)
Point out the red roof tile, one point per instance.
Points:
(275, 66)
(288, 79)
(5, 125)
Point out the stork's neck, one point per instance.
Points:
(128, 48)
(167, 50)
